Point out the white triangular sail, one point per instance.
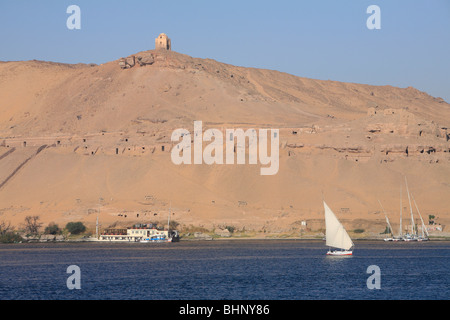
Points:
(335, 235)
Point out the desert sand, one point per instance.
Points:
(81, 140)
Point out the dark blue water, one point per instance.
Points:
(230, 270)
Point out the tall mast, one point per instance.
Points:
(401, 209)
(98, 211)
(96, 223)
(387, 220)
(410, 207)
(168, 219)
(424, 229)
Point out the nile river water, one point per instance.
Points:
(229, 270)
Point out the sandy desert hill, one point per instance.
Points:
(80, 139)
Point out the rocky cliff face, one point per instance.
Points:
(386, 135)
(104, 140)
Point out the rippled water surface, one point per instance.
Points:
(231, 270)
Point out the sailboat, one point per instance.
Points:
(424, 228)
(412, 236)
(336, 236)
(388, 225)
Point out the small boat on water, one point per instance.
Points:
(161, 238)
(155, 239)
(336, 236)
(414, 234)
(389, 228)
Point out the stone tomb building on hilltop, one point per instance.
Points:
(163, 42)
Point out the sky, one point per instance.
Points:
(318, 39)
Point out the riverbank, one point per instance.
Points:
(213, 237)
(208, 236)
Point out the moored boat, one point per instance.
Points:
(142, 233)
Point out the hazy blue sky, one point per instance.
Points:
(314, 39)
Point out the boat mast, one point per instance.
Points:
(401, 209)
(387, 220)
(410, 207)
(168, 219)
(96, 223)
(424, 230)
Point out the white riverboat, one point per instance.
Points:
(141, 233)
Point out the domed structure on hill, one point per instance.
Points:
(163, 42)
